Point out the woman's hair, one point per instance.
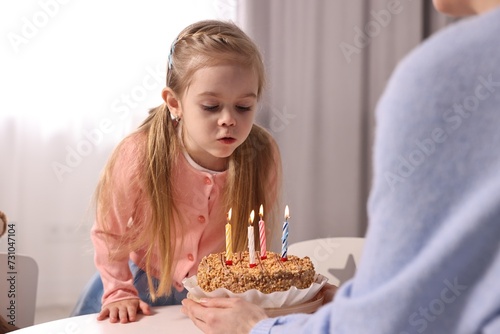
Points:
(252, 167)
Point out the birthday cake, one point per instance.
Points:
(267, 275)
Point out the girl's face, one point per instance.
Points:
(217, 112)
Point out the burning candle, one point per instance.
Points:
(262, 234)
(284, 237)
(251, 241)
(229, 241)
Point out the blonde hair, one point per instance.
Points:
(252, 167)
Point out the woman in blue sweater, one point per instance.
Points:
(431, 261)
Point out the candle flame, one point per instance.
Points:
(229, 215)
(252, 215)
(261, 211)
(287, 213)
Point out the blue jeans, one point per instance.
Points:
(90, 300)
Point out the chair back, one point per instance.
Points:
(19, 283)
(334, 258)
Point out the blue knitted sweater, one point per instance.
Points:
(431, 262)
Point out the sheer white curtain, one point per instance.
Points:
(328, 63)
(76, 77)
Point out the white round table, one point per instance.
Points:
(165, 319)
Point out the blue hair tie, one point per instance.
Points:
(170, 55)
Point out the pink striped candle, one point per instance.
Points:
(262, 233)
(229, 243)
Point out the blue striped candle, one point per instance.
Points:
(284, 237)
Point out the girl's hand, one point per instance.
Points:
(223, 315)
(124, 310)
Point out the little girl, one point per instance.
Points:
(163, 197)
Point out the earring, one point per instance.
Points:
(175, 119)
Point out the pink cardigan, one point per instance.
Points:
(198, 196)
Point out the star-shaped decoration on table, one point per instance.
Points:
(346, 273)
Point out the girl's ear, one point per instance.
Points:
(173, 103)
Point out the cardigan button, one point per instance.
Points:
(201, 219)
(208, 181)
(190, 257)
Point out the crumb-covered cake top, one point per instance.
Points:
(268, 275)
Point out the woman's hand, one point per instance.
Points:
(223, 315)
(328, 291)
(124, 310)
